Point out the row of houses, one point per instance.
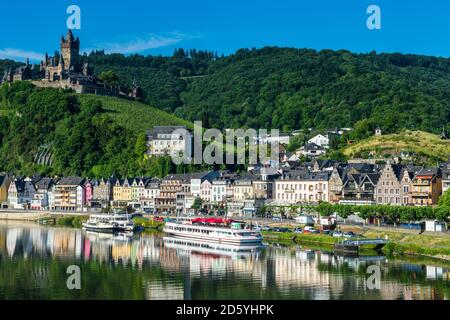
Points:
(321, 180)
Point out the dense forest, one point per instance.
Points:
(289, 88)
(163, 79)
(272, 87)
(82, 136)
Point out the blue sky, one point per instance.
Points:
(31, 28)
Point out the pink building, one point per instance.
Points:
(89, 191)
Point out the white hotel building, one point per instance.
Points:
(302, 187)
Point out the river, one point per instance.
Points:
(34, 262)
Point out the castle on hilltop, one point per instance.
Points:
(67, 70)
(61, 66)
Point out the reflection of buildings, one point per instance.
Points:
(163, 291)
(301, 270)
(287, 271)
(418, 292)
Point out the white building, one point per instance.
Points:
(311, 150)
(41, 197)
(206, 190)
(81, 197)
(20, 193)
(169, 140)
(197, 179)
(151, 192)
(301, 187)
(320, 140)
(219, 190)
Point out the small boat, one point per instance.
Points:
(123, 222)
(109, 222)
(101, 223)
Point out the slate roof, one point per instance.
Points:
(153, 134)
(70, 181)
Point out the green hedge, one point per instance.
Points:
(393, 213)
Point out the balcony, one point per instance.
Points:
(421, 183)
(421, 194)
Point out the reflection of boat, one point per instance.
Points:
(213, 230)
(113, 236)
(210, 248)
(109, 223)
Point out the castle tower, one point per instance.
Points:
(70, 51)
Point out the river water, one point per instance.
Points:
(34, 261)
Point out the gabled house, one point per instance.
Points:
(205, 190)
(198, 178)
(335, 185)
(359, 188)
(138, 189)
(312, 150)
(320, 140)
(103, 190)
(389, 186)
(21, 192)
(41, 199)
(151, 192)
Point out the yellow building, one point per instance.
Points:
(5, 181)
(122, 192)
(426, 187)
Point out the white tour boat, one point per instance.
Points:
(214, 230)
(109, 222)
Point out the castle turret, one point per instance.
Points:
(70, 49)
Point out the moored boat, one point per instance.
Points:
(109, 222)
(214, 230)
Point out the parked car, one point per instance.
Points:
(309, 229)
(258, 228)
(349, 235)
(298, 230)
(283, 230)
(276, 229)
(328, 232)
(266, 228)
(276, 219)
(338, 234)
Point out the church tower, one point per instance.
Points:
(70, 51)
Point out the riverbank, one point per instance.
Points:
(402, 242)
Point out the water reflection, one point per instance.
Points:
(33, 260)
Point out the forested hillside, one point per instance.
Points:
(294, 88)
(81, 135)
(162, 78)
